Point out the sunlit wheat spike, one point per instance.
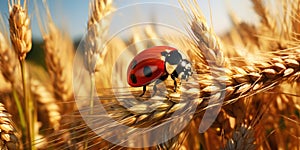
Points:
(207, 41)
(8, 61)
(58, 48)
(98, 25)
(48, 110)
(277, 30)
(241, 40)
(263, 12)
(254, 78)
(19, 26)
(99, 9)
(8, 138)
(242, 138)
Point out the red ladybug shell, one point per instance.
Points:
(147, 66)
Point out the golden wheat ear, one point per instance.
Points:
(58, 48)
(242, 138)
(8, 61)
(20, 31)
(8, 138)
(98, 25)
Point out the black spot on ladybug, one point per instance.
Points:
(134, 63)
(147, 71)
(133, 78)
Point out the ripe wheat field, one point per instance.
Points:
(244, 89)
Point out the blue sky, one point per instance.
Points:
(72, 15)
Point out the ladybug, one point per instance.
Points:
(155, 64)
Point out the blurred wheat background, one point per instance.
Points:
(246, 65)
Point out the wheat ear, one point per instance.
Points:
(97, 31)
(95, 40)
(20, 31)
(58, 48)
(8, 63)
(8, 138)
(242, 138)
(261, 10)
(49, 111)
(204, 37)
(20, 35)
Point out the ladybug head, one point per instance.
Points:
(172, 57)
(184, 69)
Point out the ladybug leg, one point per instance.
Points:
(161, 79)
(175, 83)
(144, 90)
